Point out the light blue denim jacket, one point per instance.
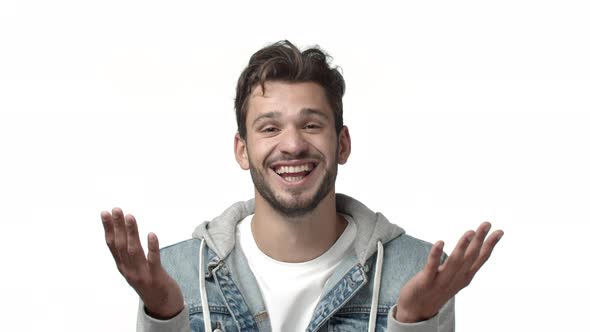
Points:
(235, 303)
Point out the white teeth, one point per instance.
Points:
(294, 169)
(293, 178)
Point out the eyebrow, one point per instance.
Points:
(267, 115)
(311, 111)
(274, 114)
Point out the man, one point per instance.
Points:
(298, 257)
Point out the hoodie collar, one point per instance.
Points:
(220, 233)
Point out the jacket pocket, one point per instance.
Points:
(220, 322)
(355, 322)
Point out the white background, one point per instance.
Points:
(459, 111)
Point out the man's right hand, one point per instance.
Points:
(159, 292)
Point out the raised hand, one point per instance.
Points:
(424, 295)
(158, 291)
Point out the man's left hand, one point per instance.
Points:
(422, 296)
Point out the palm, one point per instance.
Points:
(423, 295)
(159, 292)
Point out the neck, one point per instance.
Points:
(299, 239)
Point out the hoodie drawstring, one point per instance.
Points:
(202, 290)
(376, 286)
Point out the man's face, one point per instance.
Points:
(291, 148)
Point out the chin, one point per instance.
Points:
(294, 206)
(294, 202)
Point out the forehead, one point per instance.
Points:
(288, 98)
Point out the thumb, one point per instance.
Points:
(153, 256)
(431, 268)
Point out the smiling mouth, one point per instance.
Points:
(294, 173)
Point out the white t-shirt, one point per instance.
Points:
(292, 290)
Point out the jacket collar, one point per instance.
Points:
(220, 233)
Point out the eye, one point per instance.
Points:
(269, 129)
(312, 126)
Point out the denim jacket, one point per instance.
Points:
(364, 283)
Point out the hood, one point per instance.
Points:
(220, 233)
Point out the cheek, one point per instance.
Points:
(258, 153)
(328, 148)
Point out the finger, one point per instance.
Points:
(134, 249)
(486, 251)
(120, 235)
(474, 248)
(109, 233)
(153, 252)
(455, 261)
(431, 268)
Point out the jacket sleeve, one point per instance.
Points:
(444, 321)
(146, 323)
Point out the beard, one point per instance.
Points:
(298, 206)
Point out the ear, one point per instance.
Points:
(343, 145)
(241, 152)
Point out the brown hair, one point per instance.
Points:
(283, 61)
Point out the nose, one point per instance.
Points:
(293, 143)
